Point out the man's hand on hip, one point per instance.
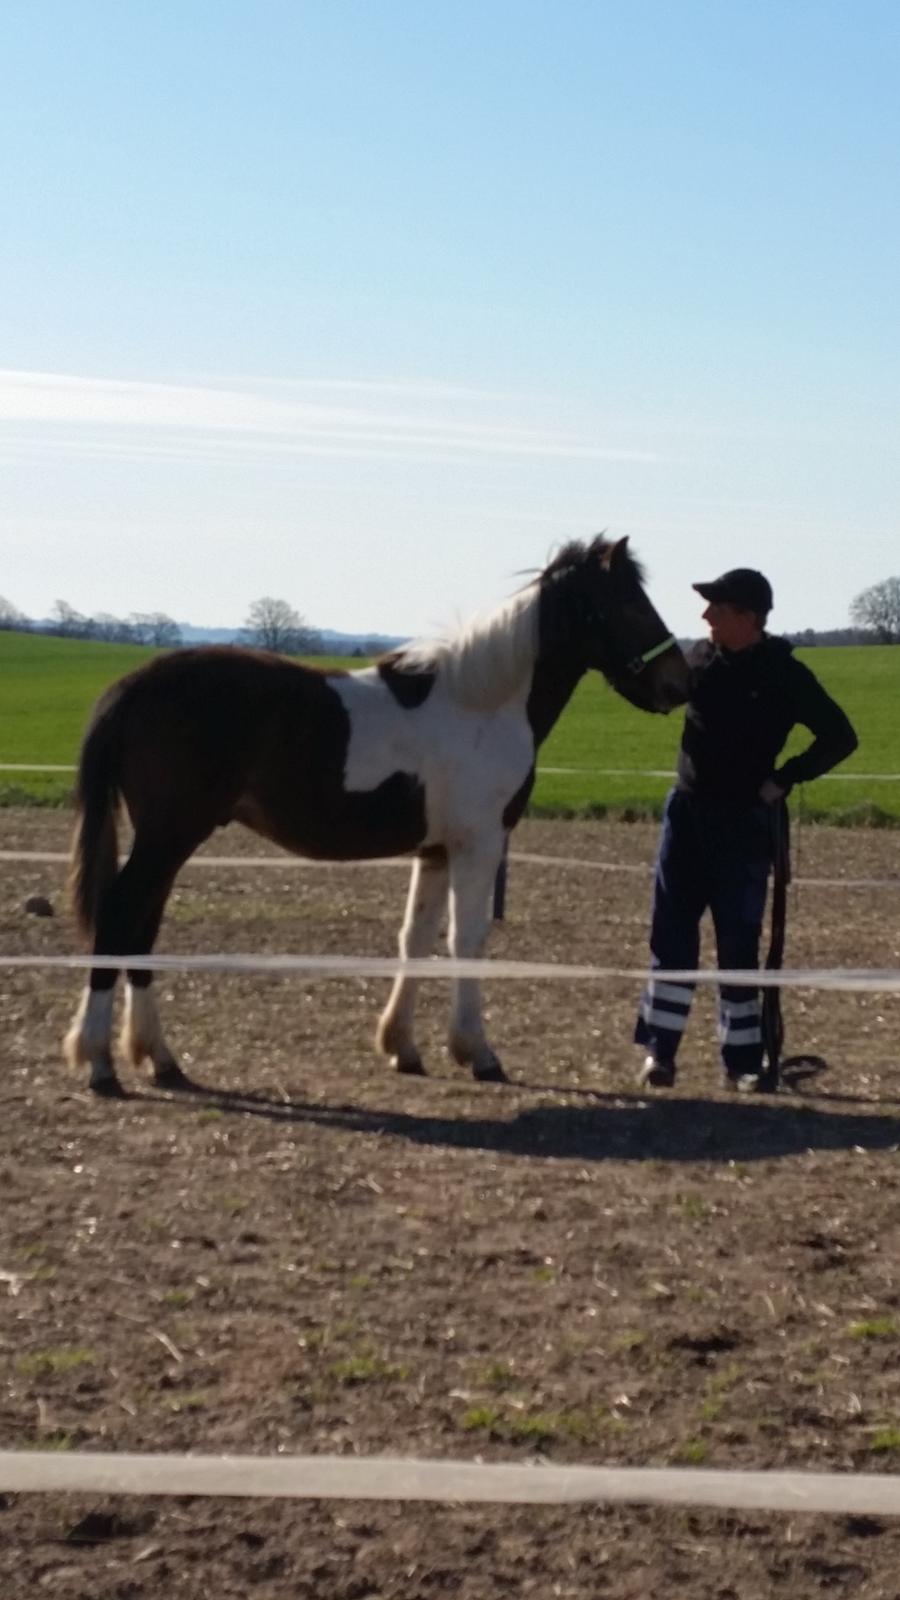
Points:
(770, 792)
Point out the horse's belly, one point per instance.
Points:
(337, 825)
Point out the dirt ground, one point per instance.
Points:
(316, 1254)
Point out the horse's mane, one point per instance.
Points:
(483, 664)
(576, 552)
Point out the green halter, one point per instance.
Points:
(640, 662)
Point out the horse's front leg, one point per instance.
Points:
(424, 908)
(472, 876)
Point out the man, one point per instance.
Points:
(747, 692)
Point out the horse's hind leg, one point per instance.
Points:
(127, 924)
(87, 1042)
(424, 908)
(155, 869)
(142, 1036)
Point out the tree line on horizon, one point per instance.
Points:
(269, 625)
(273, 624)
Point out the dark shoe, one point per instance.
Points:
(656, 1074)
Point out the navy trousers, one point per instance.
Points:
(715, 860)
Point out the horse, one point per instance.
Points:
(430, 751)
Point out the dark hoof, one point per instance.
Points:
(170, 1076)
(108, 1088)
(413, 1068)
(490, 1072)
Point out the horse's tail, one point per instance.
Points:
(95, 846)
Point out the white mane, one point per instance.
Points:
(483, 665)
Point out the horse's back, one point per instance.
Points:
(218, 692)
(214, 735)
(201, 720)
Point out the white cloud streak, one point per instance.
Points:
(115, 418)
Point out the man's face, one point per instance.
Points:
(730, 627)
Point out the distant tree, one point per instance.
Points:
(812, 637)
(878, 609)
(154, 627)
(112, 630)
(67, 623)
(274, 625)
(105, 627)
(140, 627)
(11, 616)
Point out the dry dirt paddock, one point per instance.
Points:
(315, 1254)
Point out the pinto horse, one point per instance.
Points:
(431, 751)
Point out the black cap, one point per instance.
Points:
(742, 587)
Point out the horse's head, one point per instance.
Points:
(597, 606)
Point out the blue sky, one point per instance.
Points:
(368, 305)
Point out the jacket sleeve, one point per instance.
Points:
(834, 738)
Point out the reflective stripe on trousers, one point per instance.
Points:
(666, 1006)
(739, 1021)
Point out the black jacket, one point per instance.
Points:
(742, 706)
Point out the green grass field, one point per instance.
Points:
(47, 687)
(600, 731)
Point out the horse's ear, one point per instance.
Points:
(614, 553)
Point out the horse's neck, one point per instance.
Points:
(553, 683)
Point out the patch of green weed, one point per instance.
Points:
(875, 1328)
(692, 1452)
(195, 1400)
(488, 1418)
(357, 1369)
(47, 1363)
(499, 1375)
(886, 1439)
(631, 1339)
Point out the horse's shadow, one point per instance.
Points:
(608, 1127)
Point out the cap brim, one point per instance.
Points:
(709, 591)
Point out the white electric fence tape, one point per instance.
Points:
(576, 862)
(865, 980)
(658, 772)
(574, 772)
(286, 861)
(455, 1482)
